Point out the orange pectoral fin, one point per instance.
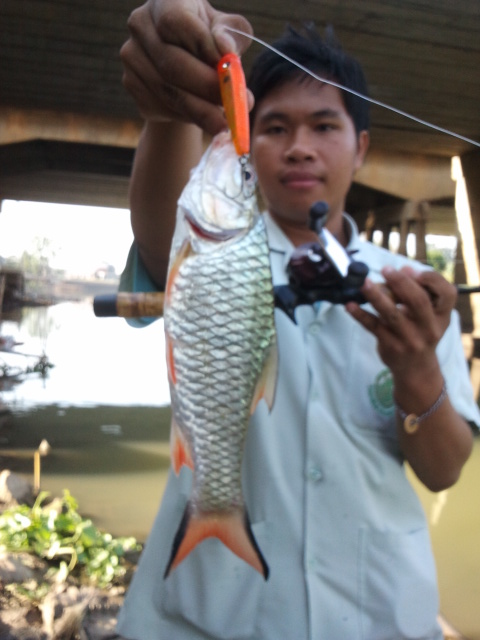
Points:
(233, 89)
(172, 374)
(267, 381)
(184, 252)
(180, 453)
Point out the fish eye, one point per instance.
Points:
(247, 175)
(249, 180)
(248, 172)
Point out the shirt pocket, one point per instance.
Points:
(397, 586)
(215, 591)
(370, 405)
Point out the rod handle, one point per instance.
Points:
(128, 305)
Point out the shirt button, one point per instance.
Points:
(314, 474)
(314, 329)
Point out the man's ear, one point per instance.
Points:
(363, 142)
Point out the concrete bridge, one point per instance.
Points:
(68, 129)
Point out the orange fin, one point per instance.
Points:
(171, 371)
(232, 529)
(179, 449)
(184, 252)
(267, 381)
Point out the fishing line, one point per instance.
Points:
(378, 103)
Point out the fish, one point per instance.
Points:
(220, 344)
(220, 331)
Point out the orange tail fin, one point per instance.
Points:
(232, 529)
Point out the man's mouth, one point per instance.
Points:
(300, 180)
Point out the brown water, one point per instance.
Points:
(104, 410)
(454, 517)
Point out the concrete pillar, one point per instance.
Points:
(467, 208)
(405, 217)
(421, 217)
(404, 228)
(466, 174)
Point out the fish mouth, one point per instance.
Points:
(214, 235)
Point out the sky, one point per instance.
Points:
(83, 238)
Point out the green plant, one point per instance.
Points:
(436, 259)
(70, 543)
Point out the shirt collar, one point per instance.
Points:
(279, 242)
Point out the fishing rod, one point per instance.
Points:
(287, 298)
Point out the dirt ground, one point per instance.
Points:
(68, 611)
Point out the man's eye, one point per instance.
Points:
(325, 126)
(275, 130)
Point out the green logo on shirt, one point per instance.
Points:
(381, 393)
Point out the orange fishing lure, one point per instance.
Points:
(233, 89)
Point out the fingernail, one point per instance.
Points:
(368, 284)
(225, 42)
(386, 271)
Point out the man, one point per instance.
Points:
(330, 506)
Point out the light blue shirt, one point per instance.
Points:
(338, 522)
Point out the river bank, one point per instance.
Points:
(36, 605)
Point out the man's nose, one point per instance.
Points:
(300, 146)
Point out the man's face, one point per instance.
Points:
(304, 149)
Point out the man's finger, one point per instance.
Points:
(442, 293)
(230, 41)
(173, 62)
(409, 292)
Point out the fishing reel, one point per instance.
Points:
(321, 271)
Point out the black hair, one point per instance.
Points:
(324, 57)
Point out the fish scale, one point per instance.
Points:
(228, 327)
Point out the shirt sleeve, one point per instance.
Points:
(455, 371)
(135, 278)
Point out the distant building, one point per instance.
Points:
(105, 272)
(12, 287)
